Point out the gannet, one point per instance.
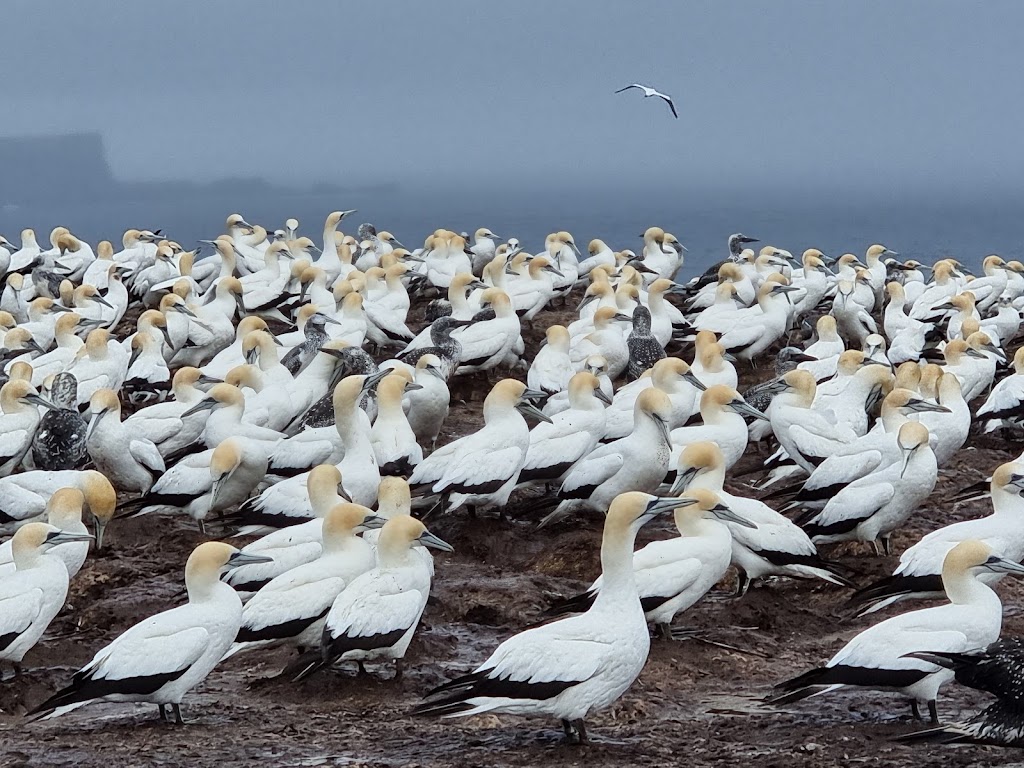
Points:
(289, 498)
(19, 421)
(606, 339)
(994, 669)
(974, 362)
(648, 92)
(442, 344)
(673, 377)
(949, 426)
(749, 332)
(644, 349)
(575, 666)
(722, 410)
(673, 574)
(163, 657)
(232, 355)
(488, 343)
(131, 462)
(292, 607)
(760, 395)
(806, 435)
(426, 407)
(920, 567)
(872, 507)
(775, 546)
(636, 462)
(482, 468)
(64, 511)
(877, 658)
(710, 364)
(392, 437)
(298, 542)
(34, 594)
(102, 363)
(59, 440)
(1004, 406)
(552, 367)
(376, 615)
(570, 435)
(212, 328)
(212, 480)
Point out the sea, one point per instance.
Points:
(836, 223)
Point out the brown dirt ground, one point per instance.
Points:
(695, 703)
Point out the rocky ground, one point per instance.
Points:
(698, 702)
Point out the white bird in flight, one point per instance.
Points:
(648, 92)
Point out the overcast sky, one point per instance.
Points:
(870, 93)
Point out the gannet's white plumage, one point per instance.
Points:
(673, 574)
(376, 616)
(483, 467)
(573, 667)
(637, 462)
(570, 435)
(64, 511)
(722, 409)
(877, 658)
(163, 657)
(295, 544)
(918, 574)
(292, 607)
(131, 462)
(33, 595)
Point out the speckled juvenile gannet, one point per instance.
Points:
(32, 595)
(163, 657)
(878, 659)
(573, 667)
(996, 670)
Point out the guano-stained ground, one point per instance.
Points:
(695, 704)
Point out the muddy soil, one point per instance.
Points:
(697, 703)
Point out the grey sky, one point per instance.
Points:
(884, 93)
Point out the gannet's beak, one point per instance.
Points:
(725, 514)
(683, 480)
(206, 404)
(94, 422)
(691, 377)
(998, 564)
(66, 537)
(662, 426)
(745, 409)
(527, 408)
(245, 558)
(371, 381)
(427, 539)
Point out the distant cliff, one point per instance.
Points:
(36, 169)
(73, 168)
